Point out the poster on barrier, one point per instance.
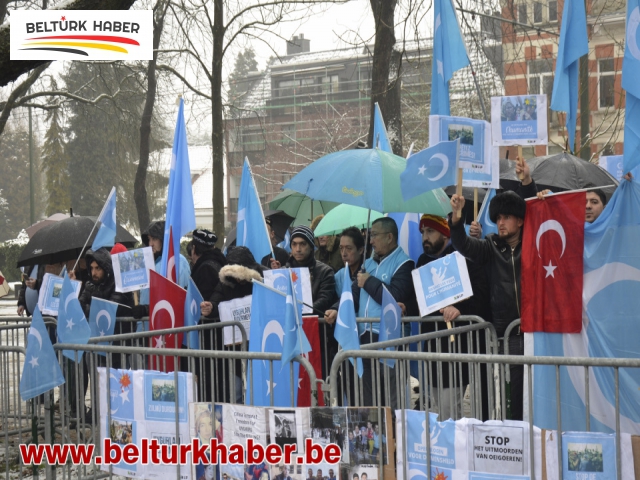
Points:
(49, 298)
(500, 447)
(519, 120)
(289, 426)
(369, 441)
(236, 310)
(142, 405)
(441, 283)
(301, 283)
(204, 424)
(131, 269)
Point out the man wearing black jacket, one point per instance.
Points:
(206, 261)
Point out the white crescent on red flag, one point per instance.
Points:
(166, 310)
(552, 264)
(171, 259)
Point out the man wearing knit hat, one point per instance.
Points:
(206, 261)
(500, 254)
(323, 286)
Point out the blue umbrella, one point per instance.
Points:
(368, 178)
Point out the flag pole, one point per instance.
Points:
(93, 228)
(475, 204)
(572, 191)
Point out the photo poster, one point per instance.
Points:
(236, 310)
(441, 283)
(281, 471)
(289, 426)
(479, 160)
(369, 441)
(205, 423)
(326, 471)
(49, 298)
(239, 423)
(131, 269)
(301, 283)
(519, 120)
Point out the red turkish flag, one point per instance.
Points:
(552, 264)
(310, 327)
(166, 310)
(171, 259)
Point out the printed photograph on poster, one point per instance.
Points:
(287, 472)
(131, 269)
(259, 471)
(585, 457)
(121, 432)
(301, 283)
(232, 472)
(364, 472)
(329, 425)
(49, 297)
(201, 422)
(519, 120)
(369, 435)
(589, 455)
(289, 426)
(474, 135)
(204, 472)
(160, 398)
(322, 471)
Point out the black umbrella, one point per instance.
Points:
(280, 222)
(64, 240)
(558, 173)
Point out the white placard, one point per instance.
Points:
(49, 298)
(236, 310)
(131, 269)
(519, 120)
(301, 283)
(441, 283)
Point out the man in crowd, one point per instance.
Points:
(323, 287)
(206, 261)
(596, 201)
(390, 267)
(153, 237)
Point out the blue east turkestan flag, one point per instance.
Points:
(346, 328)
(295, 341)
(449, 55)
(251, 228)
(286, 243)
(102, 319)
(41, 371)
(630, 75)
(181, 215)
(574, 44)
(106, 236)
(268, 312)
(390, 322)
(431, 168)
(409, 236)
(192, 314)
(380, 137)
(483, 215)
(72, 324)
(610, 328)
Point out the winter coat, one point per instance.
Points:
(106, 289)
(502, 264)
(235, 282)
(22, 301)
(205, 272)
(323, 283)
(330, 255)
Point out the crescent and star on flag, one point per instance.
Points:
(548, 226)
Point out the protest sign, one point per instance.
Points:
(519, 120)
(49, 298)
(131, 269)
(301, 283)
(441, 283)
(236, 310)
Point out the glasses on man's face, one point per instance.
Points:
(375, 234)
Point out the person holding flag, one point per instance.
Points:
(206, 261)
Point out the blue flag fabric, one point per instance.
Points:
(295, 341)
(574, 44)
(286, 243)
(102, 319)
(268, 311)
(346, 328)
(483, 215)
(251, 228)
(630, 75)
(380, 137)
(72, 324)
(431, 168)
(409, 236)
(192, 314)
(41, 371)
(106, 236)
(390, 322)
(449, 55)
(181, 215)
(610, 316)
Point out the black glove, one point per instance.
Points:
(139, 311)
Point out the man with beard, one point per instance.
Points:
(153, 237)
(437, 244)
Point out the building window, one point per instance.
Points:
(541, 78)
(522, 13)
(288, 134)
(253, 140)
(287, 88)
(330, 84)
(537, 12)
(606, 82)
(553, 11)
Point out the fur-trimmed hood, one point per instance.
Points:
(232, 275)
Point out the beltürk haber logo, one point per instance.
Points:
(81, 35)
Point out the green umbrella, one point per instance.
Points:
(344, 216)
(299, 206)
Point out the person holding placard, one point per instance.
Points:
(500, 254)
